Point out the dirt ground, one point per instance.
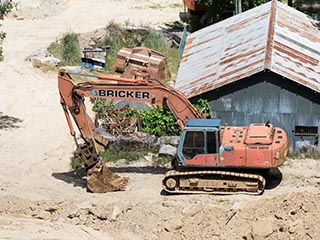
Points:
(40, 198)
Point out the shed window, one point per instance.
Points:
(305, 130)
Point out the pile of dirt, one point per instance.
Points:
(288, 211)
(289, 216)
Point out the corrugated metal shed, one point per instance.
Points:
(272, 36)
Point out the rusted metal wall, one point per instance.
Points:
(264, 97)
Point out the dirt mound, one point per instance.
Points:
(293, 216)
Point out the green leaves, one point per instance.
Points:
(71, 49)
(203, 106)
(159, 122)
(5, 8)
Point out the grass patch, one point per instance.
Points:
(172, 60)
(112, 155)
(163, 160)
(157, 6)
(67, 49)
(76, 162)
(117, 37)
(55, 48)
(305, 152)
(71, 51)
(176, 5)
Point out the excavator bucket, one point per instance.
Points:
(100, 179)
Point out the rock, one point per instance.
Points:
(150, 158)
(261, 229)
(75, 221)
(134, 142)
(169, 140)
(84, 205)
(43, 214)
(79, 209)
(167, 150)
(294, 226)
(100, 212)
(116, 213)
(169, 204)
(83, 218)
(90, 221)
(121, 163)
(74, 211)
(173, 225)
(43, 58)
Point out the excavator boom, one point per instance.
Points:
(153, 92)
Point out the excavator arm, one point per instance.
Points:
(153, 92)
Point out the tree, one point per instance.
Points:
(309, 7)
(217, 10)
(5, 7)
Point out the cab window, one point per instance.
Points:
(193, 144)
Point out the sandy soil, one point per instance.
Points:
(41, 199)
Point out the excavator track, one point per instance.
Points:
(213, 182)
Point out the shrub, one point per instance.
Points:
(308, 151)
(67, 49)
(5, 8)
(159, 122)
(71, 51)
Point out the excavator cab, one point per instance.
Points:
(199, 141)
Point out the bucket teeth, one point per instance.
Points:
(100, 179)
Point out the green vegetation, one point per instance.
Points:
(67, 49)
(100, 105)
(118, 37)
(5, 8)
(160, 7)
(113, 155)
(203, 106)
(71, 52)
(306, 6)
(220, 10)
(159, 122)
(76, 161)
(156, 6)
(305, 152)
(160, 161)
(56, 49)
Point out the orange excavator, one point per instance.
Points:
(211, 158)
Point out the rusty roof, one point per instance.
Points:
(272, 36)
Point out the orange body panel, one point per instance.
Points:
(258, 146)
(192, 5)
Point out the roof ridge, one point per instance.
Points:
(270, 37)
